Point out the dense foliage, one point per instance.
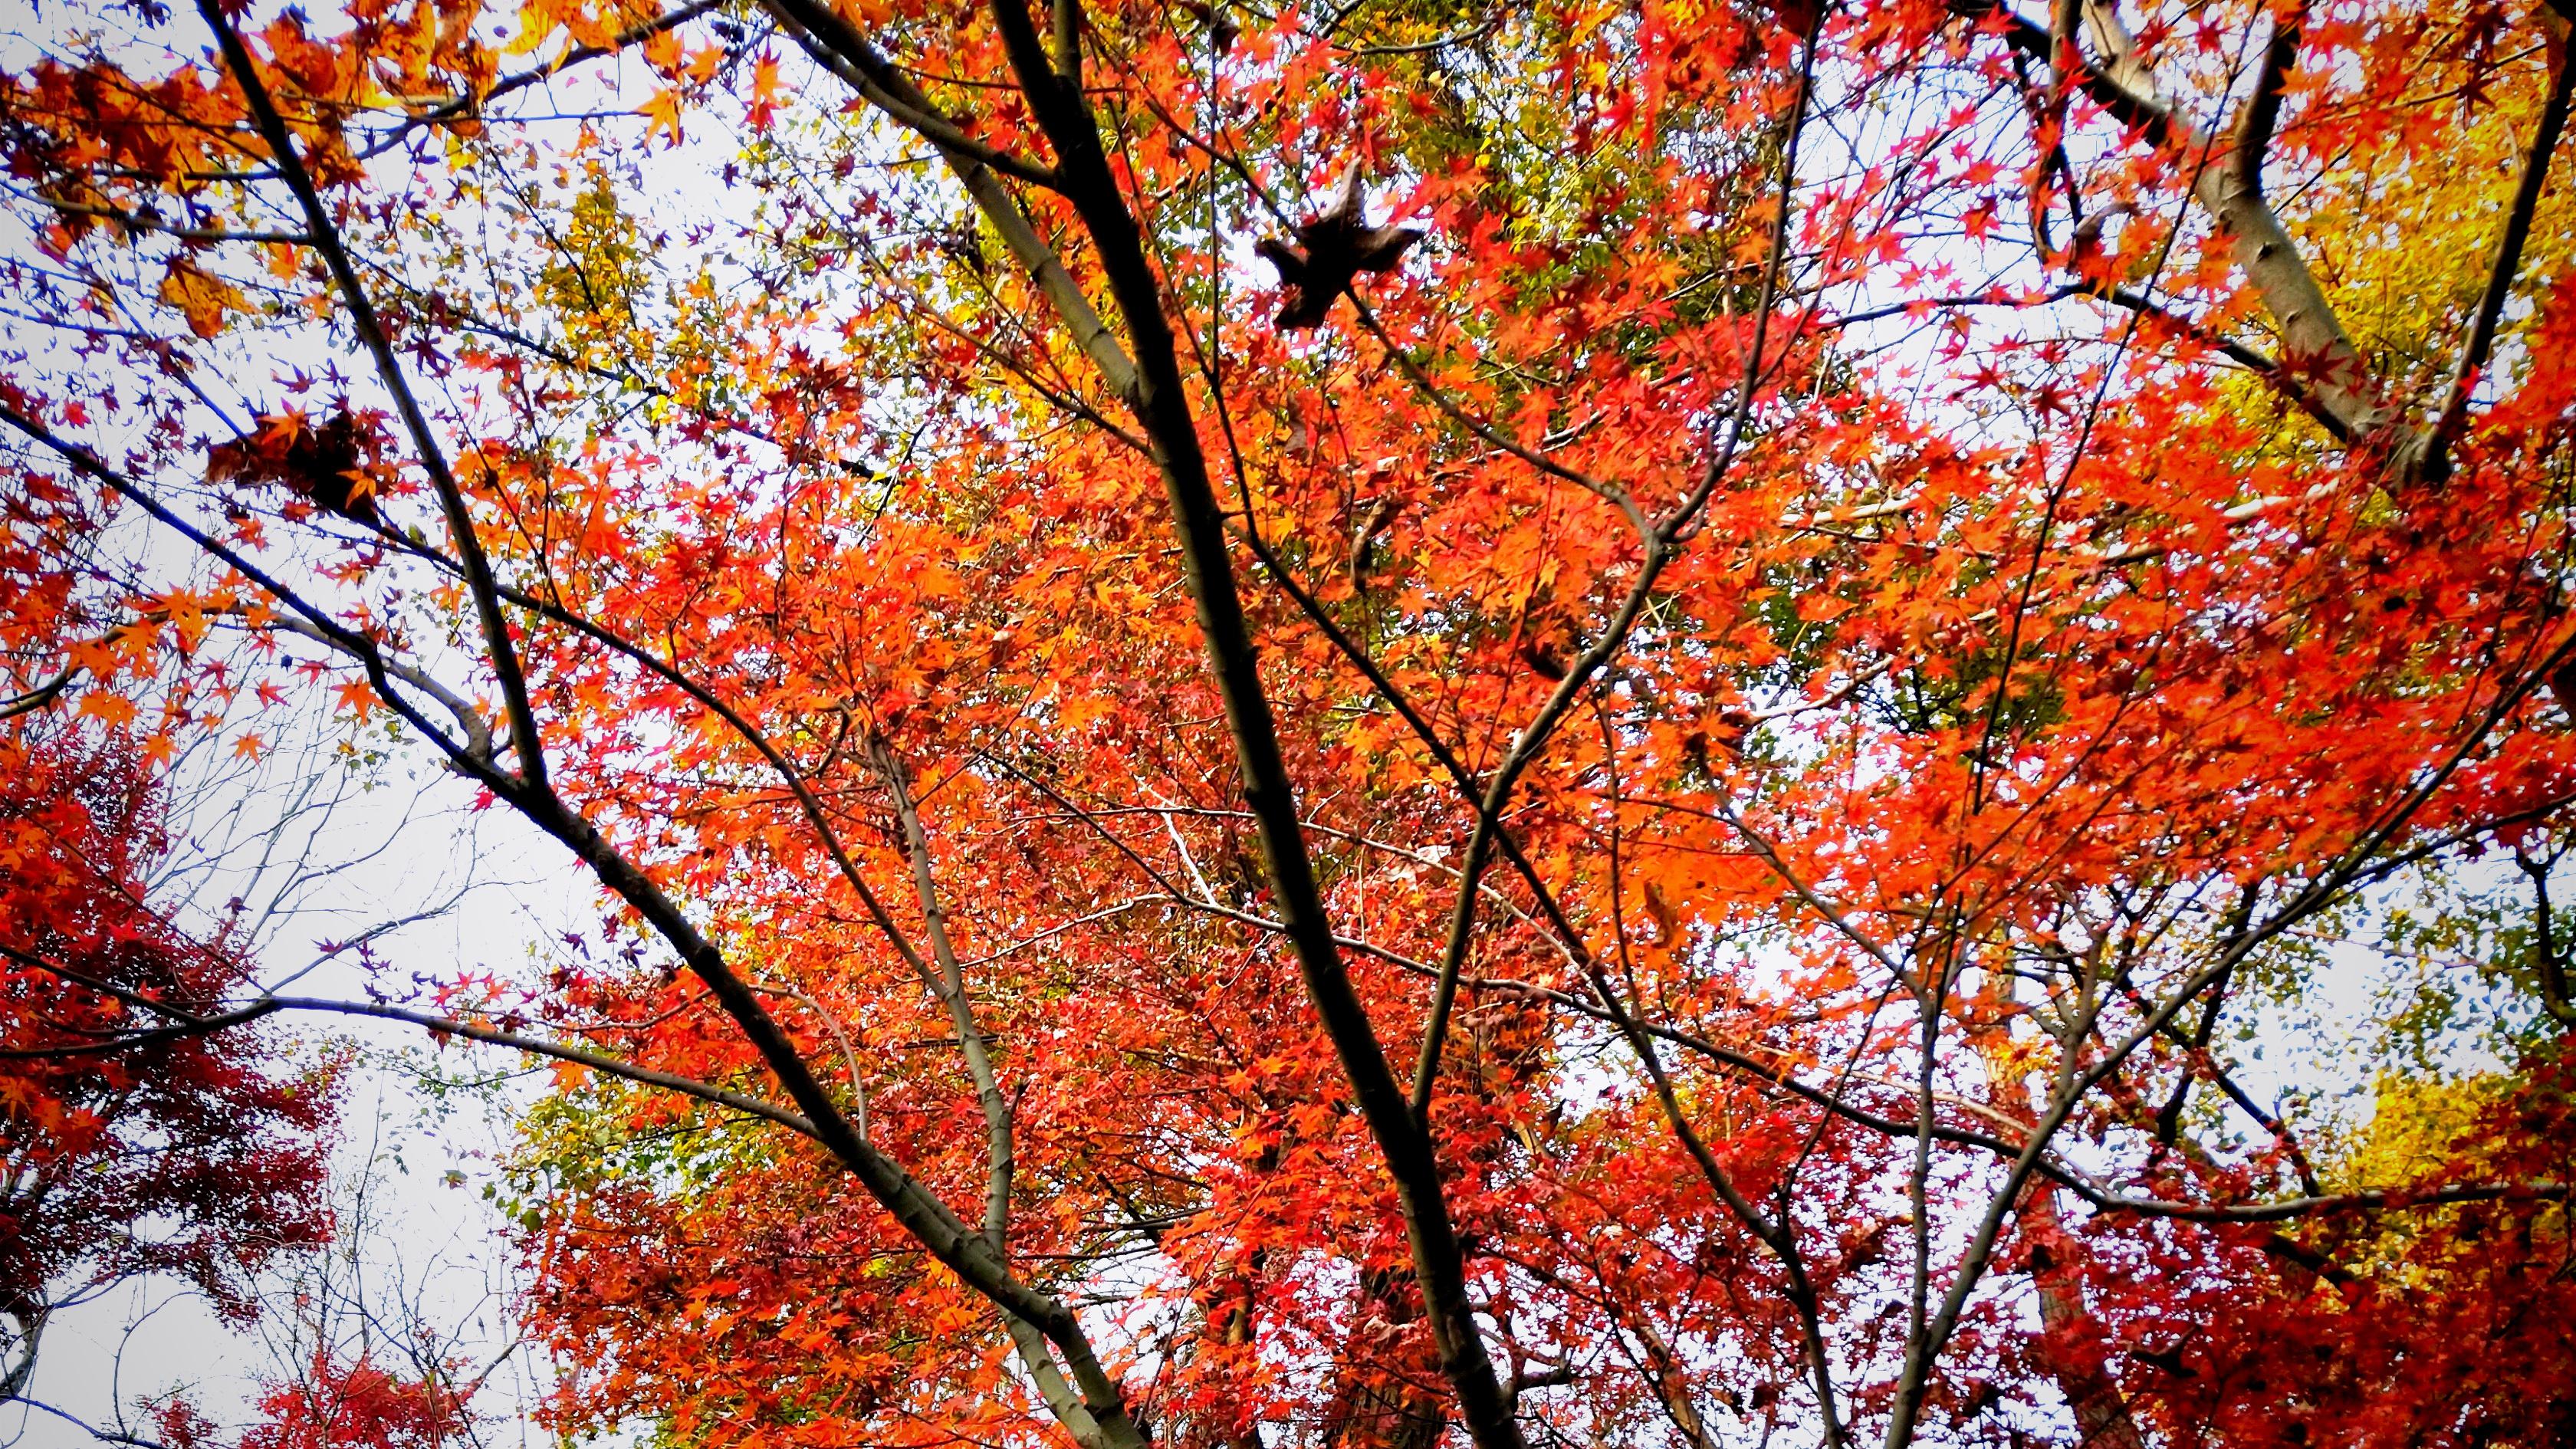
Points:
(1610, 721)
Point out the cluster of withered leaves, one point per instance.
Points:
(1899, 752)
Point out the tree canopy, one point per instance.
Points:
(1368, 725)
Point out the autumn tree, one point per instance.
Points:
(130, 1143)
(1397, 723)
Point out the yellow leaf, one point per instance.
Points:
(204, 297)
(664, 112)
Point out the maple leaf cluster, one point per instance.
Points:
(1388, 725)
(353, 1403)
(129, 1149)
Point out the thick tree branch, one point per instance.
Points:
(2315, 348)
(2262, 114)
(839, 47)
(1158, 397)
(529, 747)
(2434, 446)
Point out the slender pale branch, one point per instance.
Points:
(2315, 347)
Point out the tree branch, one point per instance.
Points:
(2447, 420)
(2315, 347)
(529, 747)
